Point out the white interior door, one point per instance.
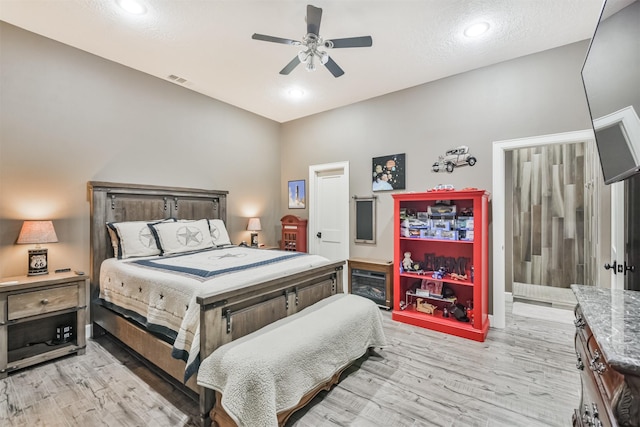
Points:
(329, 211)
(618, 256)
(629, 123)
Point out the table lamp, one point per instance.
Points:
(254, 225)
(37, 232)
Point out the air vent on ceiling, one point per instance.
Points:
(177, 79)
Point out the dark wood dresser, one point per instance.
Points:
(607, 342)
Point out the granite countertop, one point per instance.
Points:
(614, 318)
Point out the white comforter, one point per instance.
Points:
(270, 370)
(167, 299)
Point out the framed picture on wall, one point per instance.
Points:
(388, 172)
(297, 194)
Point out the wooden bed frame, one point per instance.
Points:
(224, 317)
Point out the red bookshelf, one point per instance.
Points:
(442, 229)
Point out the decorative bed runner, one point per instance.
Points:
(210, 263)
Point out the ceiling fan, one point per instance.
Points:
(312, 42)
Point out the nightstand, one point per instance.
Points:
(41, 318)
(268, 247)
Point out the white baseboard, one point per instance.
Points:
(508, 297)
(87, 331)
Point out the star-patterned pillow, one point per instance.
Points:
(183, 236)
(135, 239)
(219, 233)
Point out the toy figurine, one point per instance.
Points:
(424, 306)
(407, 262)
(439, 273)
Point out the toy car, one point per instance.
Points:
(457, 157)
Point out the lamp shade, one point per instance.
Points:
(37, 232)
(254, 224)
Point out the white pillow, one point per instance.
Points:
(135, 239)
(179, 237)
(115, 242)
(219, 233)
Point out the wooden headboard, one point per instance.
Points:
(113, 202)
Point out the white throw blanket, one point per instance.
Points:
(270, 370)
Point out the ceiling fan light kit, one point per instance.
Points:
(311, 43)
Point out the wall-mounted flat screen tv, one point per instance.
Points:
(611, 77)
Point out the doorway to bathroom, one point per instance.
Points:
(548, 223)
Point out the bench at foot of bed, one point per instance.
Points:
(220, 418)
(262, 378)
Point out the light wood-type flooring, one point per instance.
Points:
(523, 375)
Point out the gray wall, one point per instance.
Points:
(533, 95)
(68, 117)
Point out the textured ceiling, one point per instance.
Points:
(208, 42)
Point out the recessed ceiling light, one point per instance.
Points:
(295, 93)
(477, 29)
(132, 6)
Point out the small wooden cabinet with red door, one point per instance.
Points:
(294, 234)
(441, 255)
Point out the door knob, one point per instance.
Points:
(613, 266)
(629, 268)
(620, 268)
(319, 234)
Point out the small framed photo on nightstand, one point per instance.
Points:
(38, 262)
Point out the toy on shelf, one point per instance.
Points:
(443, 187)
(439, 273)
(407, 262)
(433, 287)
(459, 311)
(423, 306)
(411, 266)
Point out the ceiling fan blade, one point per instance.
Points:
(334, 68)
(275, 39)
(314, 15)
(290, 66)
(364, 41)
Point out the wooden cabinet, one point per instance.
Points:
(41, 318)
(608, 357)
(372, 279)
(442, 230)
(294, 234)
(592, 408)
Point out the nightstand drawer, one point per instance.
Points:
(41, 302)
